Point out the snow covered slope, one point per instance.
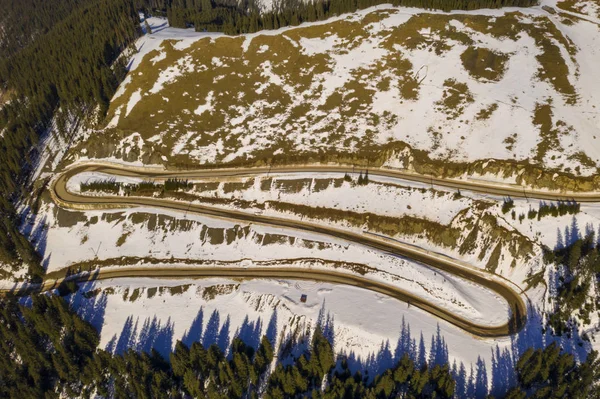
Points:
(395, 86)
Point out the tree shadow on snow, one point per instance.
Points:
(154, 334)
(89, 304)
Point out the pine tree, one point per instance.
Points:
(422, 359)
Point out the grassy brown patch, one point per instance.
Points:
(455, 98)
(230, 187)
(486, 113)
(543, 119)
(291, 186)
(492, 263)
(211, 292)
(121, 240)
(66, 218)
(483, 63)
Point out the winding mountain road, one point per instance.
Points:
(501, 286)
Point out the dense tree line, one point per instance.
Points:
(25, 20)
(234, 17)
(108, 185)
(145, 187)
(72, 67)
(549, 373)
(177, 184)
(562, 208)
(73, 63)
(43, 347)
(48, 351)
(404, 380)
(574, 273)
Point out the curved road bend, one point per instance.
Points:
(478, 186)
(493, 282)
(319, 275)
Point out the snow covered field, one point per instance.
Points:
(324, 190)
(139, 233)
(441, 220)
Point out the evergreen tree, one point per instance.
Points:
(148, 28)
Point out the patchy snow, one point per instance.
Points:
(161, 56)
(207, 106)
(133, 100)
(115, 119)
(383, 196)
(165, 76)
(162, 31)
(253, 128)
(121, 89)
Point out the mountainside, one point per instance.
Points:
(329, 199)
(507, 93)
